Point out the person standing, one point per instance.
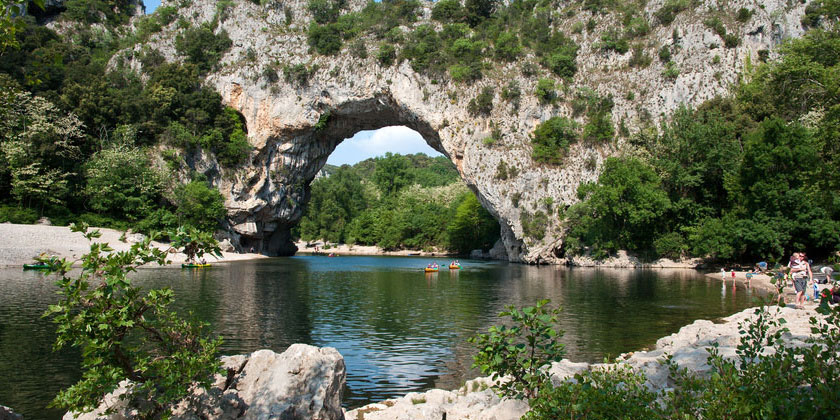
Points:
(801, 273)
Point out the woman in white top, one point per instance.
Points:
(801, 272)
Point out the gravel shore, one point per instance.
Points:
(19, 244)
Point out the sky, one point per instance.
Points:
(368, 144)
(365, 144)
(151, 5)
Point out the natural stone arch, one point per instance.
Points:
(264, 197)
(294, 162)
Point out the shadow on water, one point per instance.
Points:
(399, 329)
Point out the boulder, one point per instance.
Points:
(302, 383)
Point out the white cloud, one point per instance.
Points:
(368, 144)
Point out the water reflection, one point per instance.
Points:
(399, 329)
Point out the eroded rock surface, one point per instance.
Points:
(302, 383)
(294, 127)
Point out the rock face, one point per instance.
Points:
(302, 383)
(294, 127)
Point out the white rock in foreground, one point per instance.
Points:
(302, 383)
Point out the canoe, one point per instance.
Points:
(194, 265)
(35, 266)
(454, 266)
(431, 270)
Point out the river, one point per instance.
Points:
(399, 329)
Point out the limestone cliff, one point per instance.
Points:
(294, 127)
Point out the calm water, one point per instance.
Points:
(399, 329)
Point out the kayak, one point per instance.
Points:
(194, 265)
(431, 270)
(35, 266)
(454, 266)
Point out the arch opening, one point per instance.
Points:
(297, 158)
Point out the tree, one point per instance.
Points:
(199, 205)
(472, 227)
(392, 173)
(122, 182)
(124, 333)
(623, 210)
(552, 139)
(38, 146)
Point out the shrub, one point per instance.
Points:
(744, 15)
(507, 47)
(671, 71)
(665, 54)
(483, 103)
(325, 39)
(501, 171)
(199, 205)
(125, 333)
(521, 350)
(325, 11)
(639, 58)
(15, 214)
(202, 47)
(386, 54)
(552, 138)
(121, 181)
(611, 40)
(448, 11)
(512, 93)
(534, 225)
(298, 74)
(545, 91)
(609, 392)
(668, 12)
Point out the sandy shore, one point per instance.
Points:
(344, 249)
(19, 244)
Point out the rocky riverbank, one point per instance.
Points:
(346, 249)
(22, 243)
(305, 382)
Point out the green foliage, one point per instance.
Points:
(624, 210)
(665, 54)
(787, 382)
(545, 91)
(729, 40)
(534, 224)
(610, 392)
(325, 11)
(298, 74)
(202, 47)
(121, 181)
(613, 41)
(397, 202)
(124, 333)
(472, 227)
(668, 12)
(199, 205)
(671, 71)
(521, 350)
(483, 103)
(448, 11)
(551, 140)
(15, 214)
(325, 39)
(386, 54)
(507, 46)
